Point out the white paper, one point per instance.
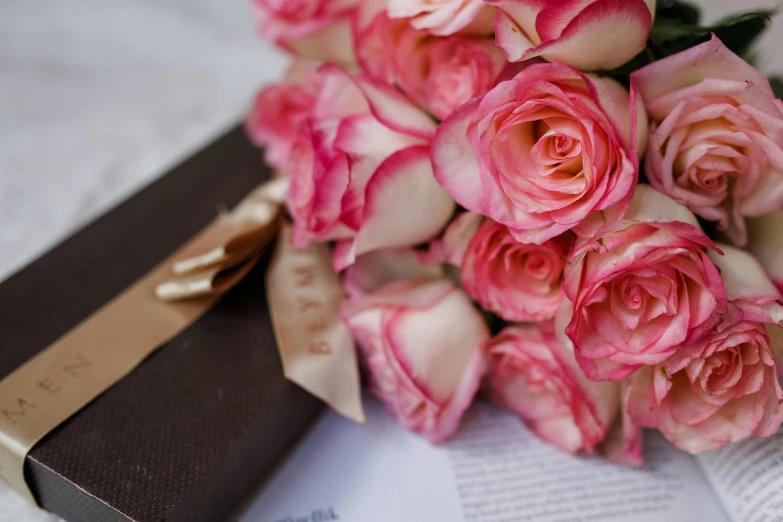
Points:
(748, 476)
(493, 470)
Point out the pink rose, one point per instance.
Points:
(440, 74)
(316, 29)
(541, 152)
(765, 241)
(278, 112)
(376, 269)
(517, 281)
(422, 341)
(361, 157)
(723, 388)
(641, 286)
(624, 444)
(588, 35)
(535, 375)
(716, 135)
(445, 17)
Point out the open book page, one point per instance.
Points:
(748, 477)
(493, 470)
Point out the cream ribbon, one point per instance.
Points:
(316, 347)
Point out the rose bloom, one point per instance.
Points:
(362, 156)
(517, 281)
(723, 388)
(541, 152)
(624, 442)
(421, 341)
(588, 35)
(641, 286)
(316, 29)
(278, 112)
(535, 375)
(445, 17)
(715, 139)
(439, 74)
(765, 241)
(378, 268)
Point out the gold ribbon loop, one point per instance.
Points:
(237, 249)
(211, 282)
(232, 248)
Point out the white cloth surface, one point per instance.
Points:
(98, 97)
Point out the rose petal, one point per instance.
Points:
(708, 60)
(455, 165)
(403, 181)
(376, 269)
(458, 235)
(604, 35)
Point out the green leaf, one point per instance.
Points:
(739, 32)
(673, 35)
(682, 11)
(731, 20)
(670, 36)
(777, 86)
(666, 29)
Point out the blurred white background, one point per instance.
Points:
(98, 97)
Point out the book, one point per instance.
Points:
(495, 470)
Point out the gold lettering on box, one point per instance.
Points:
(80, 364)
(49, 386)
(13, 415)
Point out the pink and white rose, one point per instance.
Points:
(439, 74)
(362, 156)
(532, 373)
(278, 112)
(716, 136)
(520, 282)
(723, 388)
(422, 342)
(315, 29)
(624, 443)
(641, 286)
(445, 17)
(585, 34)
(378, 268)
(765, 241)
(541, 152)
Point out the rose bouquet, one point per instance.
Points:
(572, 207)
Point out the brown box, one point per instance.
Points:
(195, 429)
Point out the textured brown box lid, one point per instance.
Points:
(194, 429)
